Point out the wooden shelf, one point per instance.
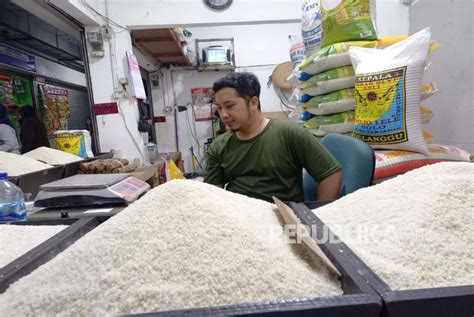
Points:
(162, 45)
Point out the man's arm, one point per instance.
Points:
(214, 174)
(329, 187)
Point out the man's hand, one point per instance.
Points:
(328, 188)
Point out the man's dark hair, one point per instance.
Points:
(246, 85)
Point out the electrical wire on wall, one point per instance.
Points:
(190, 122)
(190, 115)
(104, 17)
(112, 40)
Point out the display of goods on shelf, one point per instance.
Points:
(56, 105)
(6, 90)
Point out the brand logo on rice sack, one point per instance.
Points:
(70, 143)
(380, 116)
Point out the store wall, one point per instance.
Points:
(116, 131)
(451, 24)
(164, 13)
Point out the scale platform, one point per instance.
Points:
(91, 190)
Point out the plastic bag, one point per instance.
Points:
(388, 93)
(347, 20)
(335, 102)
(337, 54)
(335, 123)
(169, 170)
(297, 50)
(329, 81)
(329, 57)
(311, 25)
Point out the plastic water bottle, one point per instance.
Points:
(12, 201)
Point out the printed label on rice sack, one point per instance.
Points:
(344, 21)
(311, 26)
(71, 143)
(381, 107)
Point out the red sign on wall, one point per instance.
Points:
(104, 108)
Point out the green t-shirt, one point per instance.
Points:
(271, 163)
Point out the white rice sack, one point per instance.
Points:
(388, 93)
(337, 54)
(297, 50)
(311, 25)
(19, 239)
(77, 142)
(52, 156)
(16, 165)
(329, 57)
(334, 123)
(415, 230)
(334, 102)
(329, 81)
(185, 244)
(347, 20)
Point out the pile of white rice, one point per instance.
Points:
(185, 244)
(19, 239)
(16, 165)
(416, 230)
(52, 156)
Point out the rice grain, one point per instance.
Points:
(185, 244)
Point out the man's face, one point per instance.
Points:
(234, 110)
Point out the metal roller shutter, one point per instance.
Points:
(79, 107)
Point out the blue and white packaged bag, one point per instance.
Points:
(311, 26)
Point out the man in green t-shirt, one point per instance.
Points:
(260, 157)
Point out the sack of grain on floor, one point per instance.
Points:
(185, 232)
(415, 230)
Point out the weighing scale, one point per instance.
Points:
(91, 190)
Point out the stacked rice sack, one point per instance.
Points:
(326, 78)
